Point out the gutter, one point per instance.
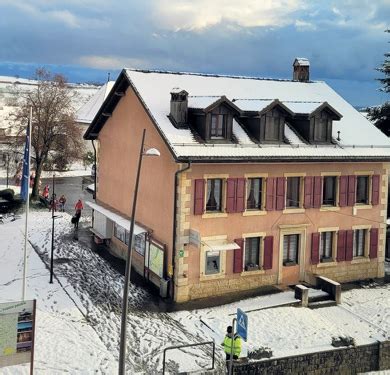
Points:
(95, 164)
(175, 224)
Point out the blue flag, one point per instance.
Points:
(26, 168)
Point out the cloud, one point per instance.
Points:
(201, 14)
(112, 62)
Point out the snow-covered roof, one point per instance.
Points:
(89, 110)
(302, 61)
(201, 102)
(359, 138)
(255, 105)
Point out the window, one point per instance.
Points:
(213, 262)
(362, 189)
(321, 124)
(121, 234)
(252, 253)
(214, 195)
(254, 194)
(290, 249)
(218, 126)
(272, 125)
(293, 188)
(326, 246)
(329, 191)
(359, 242)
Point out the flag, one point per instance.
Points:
(26, 167)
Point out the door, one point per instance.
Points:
(291, 259)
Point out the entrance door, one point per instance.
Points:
(291, 258)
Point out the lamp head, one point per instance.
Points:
(152, 152)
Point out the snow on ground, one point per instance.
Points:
(65, 341)
(96, 290)
(84, 306)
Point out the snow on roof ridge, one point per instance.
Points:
(217, 75)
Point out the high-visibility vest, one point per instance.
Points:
(227, 343)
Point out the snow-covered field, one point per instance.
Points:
(78, 317)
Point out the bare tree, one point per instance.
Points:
(55, 133)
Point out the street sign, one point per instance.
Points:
(242, 324)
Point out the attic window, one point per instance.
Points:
(321, 125)
(272, 121)
(218, 126)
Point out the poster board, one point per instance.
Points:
(17, 331)
(156, 259)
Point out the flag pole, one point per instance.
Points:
(27, 202)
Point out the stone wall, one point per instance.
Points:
(352, 360)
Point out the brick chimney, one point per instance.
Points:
(179, 107)
(301, 69)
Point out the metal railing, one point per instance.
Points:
(187, 346)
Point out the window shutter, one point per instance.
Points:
(351, 190)
(231, 195)
(280, 193)
(341, 245)
(373, 243)
(349, 245)
(269, 204)
(375, 189)
(268, 252)
(237, 262)
(240, 195)
(308, 200)
(315, 248)
(199, 197)
(317, 192)
(343, 188)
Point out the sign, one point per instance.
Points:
(17, 325)
(181, 253)
(194, 237)
(156, 259)
(242, 324)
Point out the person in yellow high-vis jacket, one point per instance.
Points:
(228, 341)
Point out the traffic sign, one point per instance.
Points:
(242, 324)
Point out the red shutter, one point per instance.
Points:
(349, 245)
(240, 195)
(280, 193)
(317, 196)
(231, 195)
(270, 193)
(315, 248)
(237, 263)
(343, 189)
(375, 189)
(199, 197)
(268, 252)
(341, 245)
(308, 200)
(373, 243)
(351, 190)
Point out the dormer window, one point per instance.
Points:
(322, 126)
(272, 125)
(218, 126)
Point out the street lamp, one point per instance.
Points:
(125, 300)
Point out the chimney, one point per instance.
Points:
(301, 69)
(179, 107)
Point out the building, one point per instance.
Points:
(260, 181)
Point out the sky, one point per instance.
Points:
(87, 39)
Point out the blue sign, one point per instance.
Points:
(242, 324)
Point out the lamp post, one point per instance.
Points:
(125, 300)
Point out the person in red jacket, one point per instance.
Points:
(78, 207)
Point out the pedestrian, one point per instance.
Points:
(78, 207)
(32, 178)
(228, 342)
(53, 203)
(45, 193)
(62, 202)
